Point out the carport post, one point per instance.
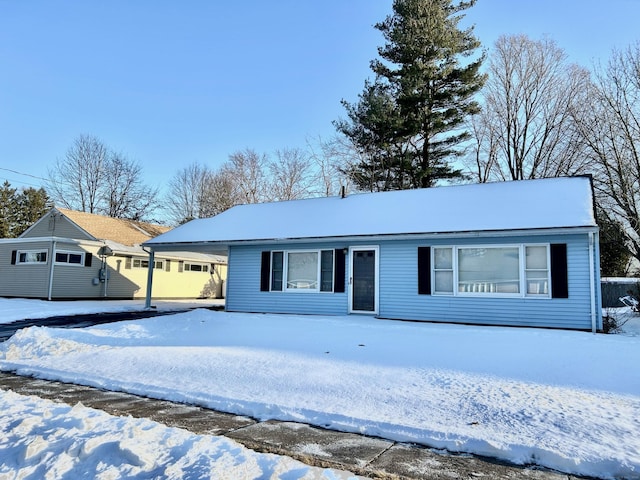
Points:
(147, 301)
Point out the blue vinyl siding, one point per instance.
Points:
(398, 287)
(243, 286)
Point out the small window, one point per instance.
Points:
(140, 263)
(70, 258)
(537, 270)
(277, 271)
(443, 270)
(326, 271)
(195, 267)
(32, 256)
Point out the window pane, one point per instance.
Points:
(443, 258)
(75, 258)
(61, 257)
(536, 257)
(326, 271)
(276, 271)
(489, 270)
(444, 281)
(302, 270)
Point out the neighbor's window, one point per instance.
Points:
(31, 256)
(195, 267)
(70, 258)
(302, 271)
(140, 263)
(493, 270)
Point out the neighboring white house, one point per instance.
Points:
(71, 255)
(519, 253)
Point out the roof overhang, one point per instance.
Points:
(221, 247)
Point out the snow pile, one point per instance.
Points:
(43, 439)
(566, 400)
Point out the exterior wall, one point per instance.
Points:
(243, 287)
(58, 226)
(398, 288)
(29, 281)
(80, 281)
(166, 284)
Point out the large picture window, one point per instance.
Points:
(510, 270)
(302, 271)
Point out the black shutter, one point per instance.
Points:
(339, 271)
(87, 259)
(424, 270)
(265, 271)
(14, 254)
(559, 276)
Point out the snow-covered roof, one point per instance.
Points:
(522, 205)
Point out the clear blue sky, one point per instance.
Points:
(169, 83)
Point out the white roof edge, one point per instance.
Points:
(427, 236)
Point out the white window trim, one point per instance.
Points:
(285, 272)
(140, 260)
(522, 272)
(18, 252)
(285, 264)
(82, 257)
(187, 267)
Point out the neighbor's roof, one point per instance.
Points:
(521, 205)
(125, 232)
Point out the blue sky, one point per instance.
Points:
(169, 83)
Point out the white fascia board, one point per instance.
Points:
(224, 245)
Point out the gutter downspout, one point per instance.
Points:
(592, 280)
(147, 300)
(51, 268)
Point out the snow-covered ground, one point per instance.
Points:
(43, 439)
(566, 400)
(23, 308)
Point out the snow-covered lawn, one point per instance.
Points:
(566, 400)
(24, 308)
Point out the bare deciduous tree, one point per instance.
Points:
(526, 129)
(187, 197)
(610, 126)
(247, 170)
(92, 178)
(291, 175)
(126, 195)
(76, 182)
(329, 156)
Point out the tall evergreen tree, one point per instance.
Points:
(19, 209)
(31, 205)
(423, 91)
(7, 209)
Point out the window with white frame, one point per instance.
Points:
(141, 263)
(195, 267)
(302, 271)
(24, 257)
(509, 270)
(69, 258)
